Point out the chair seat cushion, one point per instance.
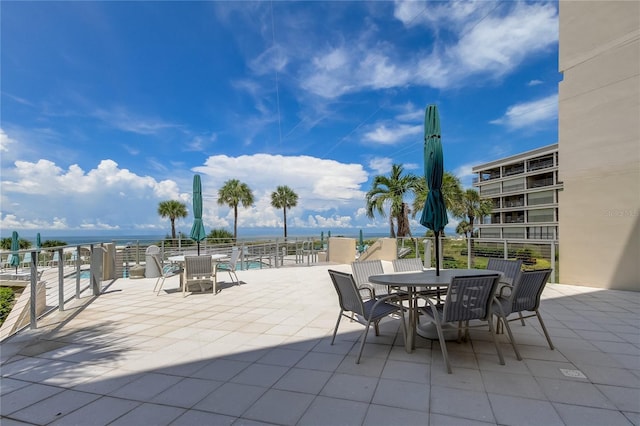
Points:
(381, 310)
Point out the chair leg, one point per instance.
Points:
(544, 329)
(495, 342)
(521, 318)
(335, 330)
(443, 347)
(364, 339)
(376, 328)
(161, 284)
(505, 324)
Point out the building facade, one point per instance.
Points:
(599, 143)
(524, 191)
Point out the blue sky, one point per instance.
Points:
(108, 108)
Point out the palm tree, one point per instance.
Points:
(172, 209)
(463, 228)
(451, 191)
(471, 206)
(390, 191)
(282, 198)
(233, 193)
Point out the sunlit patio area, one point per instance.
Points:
(260, 353)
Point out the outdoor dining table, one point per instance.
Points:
(180, 260)
(414, 282)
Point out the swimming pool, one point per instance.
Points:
(84, 275)
(252, 264)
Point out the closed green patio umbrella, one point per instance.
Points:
(197, 230)
(15, 247)
(434, 214)
(361, 243)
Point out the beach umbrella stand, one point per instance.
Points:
(197, 230)
(434, 213)
(15, 248)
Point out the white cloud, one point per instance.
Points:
(390, 135)
(528, 114)
(104, 198)
(487, 41)
(534, 83)
(5, 141)
(465, 174)
(122, 119)
(381, 165)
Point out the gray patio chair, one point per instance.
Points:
(414, 264)
(468, 298)
(166, 271)
(407, 264)
(524, 295)
(361, 273)
(509, 268)
(198, 270)
(366, 312)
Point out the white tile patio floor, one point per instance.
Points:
(259, 353)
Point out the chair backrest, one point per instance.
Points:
(362, 270)
(198, 266)
(527, 291)
(26, 258)
(469, 297)
(510, 268)
(407, 264)
(233, 260)
(348, 294)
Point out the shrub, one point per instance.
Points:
(6, 302)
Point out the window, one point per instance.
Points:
(541, 215)
(513, 185)
(544, 197)
(513, 232)
(491, 188)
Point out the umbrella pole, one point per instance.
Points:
(198, 248)
(437, 253)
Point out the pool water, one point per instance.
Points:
(84, 275)
(254, 264)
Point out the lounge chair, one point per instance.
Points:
(26, 260)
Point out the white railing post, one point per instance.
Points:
(33, 323)
(469, 252)
(553, 260)
(427, 253)
(61, 261)
(505, 254)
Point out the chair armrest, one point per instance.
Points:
(504, 287)
(369, 289)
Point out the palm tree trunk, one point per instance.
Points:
(235, 223)
(284, 210)
(173, 228)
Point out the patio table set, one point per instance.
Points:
(449, 300)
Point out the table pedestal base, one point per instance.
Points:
(429, 331)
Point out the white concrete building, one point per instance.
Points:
(599, 143)
(524, 191)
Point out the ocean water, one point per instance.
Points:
(243, 235)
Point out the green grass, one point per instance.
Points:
(7, 298)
